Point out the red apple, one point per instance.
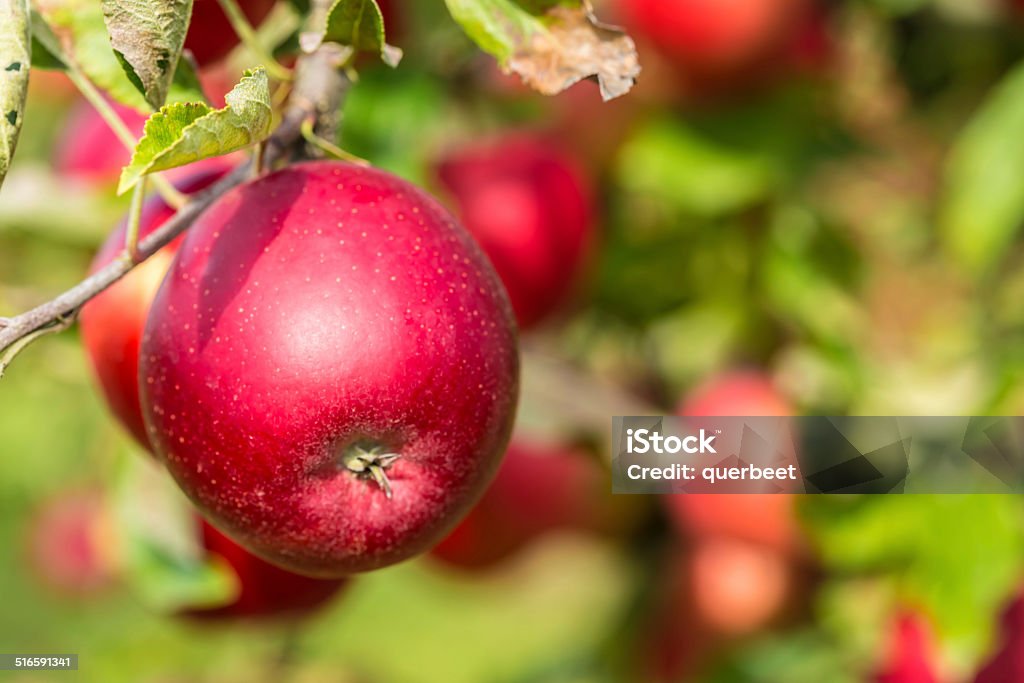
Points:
(529, 207)
(738, 587)
(69, 543)
(264, 590)
(210, 35)
(768, 519)
(715, 39)
(112, 322)
(88, 150)
(1007, 664)
(539, 488)
(910, 656)
(330, 369)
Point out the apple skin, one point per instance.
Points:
(265, 591)
(910, 656)
(539, 488)
(68, 544)
(210, 36)
(88, 151)
(767, 519)
(312, 316)
(715, 40)
(529, 206)
(113, 321)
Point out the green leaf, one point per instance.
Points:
(182, 133)
(551, 45)
(357, 24)
(163, 557)
(957, 558)
(147, 36)
(668, 160)
(984, 202)
(47, 52)
(15, 57)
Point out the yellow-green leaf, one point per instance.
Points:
(15, 57)
(182, 133)
(357, 24)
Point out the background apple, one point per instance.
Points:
(330, 368)
(210, 35)
(529, 207)
(768, 519)
(715, 42)
(70, 543)
(264, 590)
(910, 655)
(112, 323)
(539, 488)
(1005, 665)
(88, 150)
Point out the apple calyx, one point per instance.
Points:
(370, 462)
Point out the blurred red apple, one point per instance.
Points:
(539, 488)
(738, 587)
(88, 150)
(210, 35)
(69, 543)
(768, 519)
(264, 590)
(910, 655)
(713, 36)
(529, 207)
(112, 323)
(1006, 665)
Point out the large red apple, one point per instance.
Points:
(539, 488)
(264, 590)
(768, 519)
(714, 37)
(112, 323)
(210, 35)
(330, 368)
(529, 207)
(88, 150)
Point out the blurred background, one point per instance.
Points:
(804, 207)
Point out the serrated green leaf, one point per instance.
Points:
(15, 57)
(357, 24)
(551, 45)
(147, 36)
(984, 203)
(182, 133)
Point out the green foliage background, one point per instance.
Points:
(855, 231)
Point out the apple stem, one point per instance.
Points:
(372, 463)
(131, 237)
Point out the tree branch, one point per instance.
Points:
(317, 95)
